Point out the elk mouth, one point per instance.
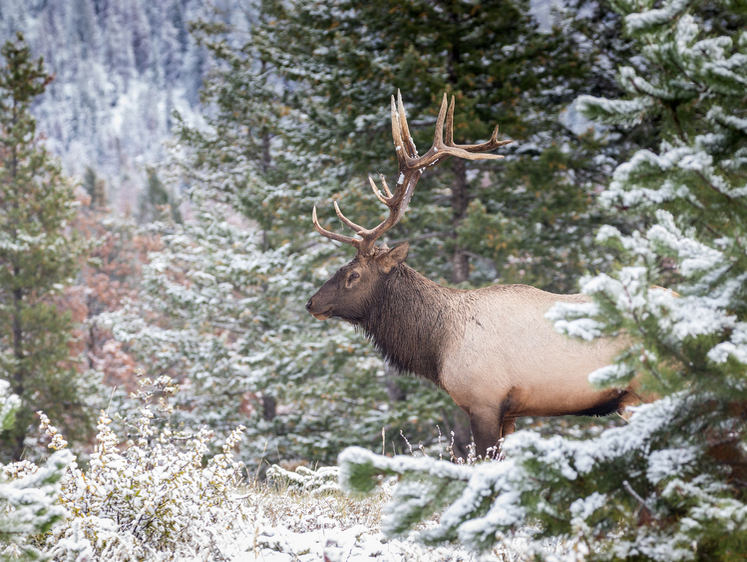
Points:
(318, 315)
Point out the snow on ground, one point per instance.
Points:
(276, 544)
(293, 522)
(357, 543)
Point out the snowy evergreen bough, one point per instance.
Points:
(29, 495)
(670, 485)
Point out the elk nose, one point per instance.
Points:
(308, 304)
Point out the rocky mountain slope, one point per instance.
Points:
(122, 67)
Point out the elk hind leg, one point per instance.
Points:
(509, 426)
(627, 398)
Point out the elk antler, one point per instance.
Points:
(411, 167)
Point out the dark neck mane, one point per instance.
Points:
(409, 323)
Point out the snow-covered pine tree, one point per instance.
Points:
(39, 256)
(243, 157)
(671, 484)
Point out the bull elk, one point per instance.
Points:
(491, 349)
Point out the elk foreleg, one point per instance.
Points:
(487, 431)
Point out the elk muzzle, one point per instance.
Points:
(315, 312)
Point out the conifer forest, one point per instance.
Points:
(178, 178)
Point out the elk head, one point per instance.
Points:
(357, 286)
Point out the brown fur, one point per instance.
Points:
(492, 349)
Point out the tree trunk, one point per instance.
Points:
(18, 375)
(394, 388)
(459, 204)
(269, 407)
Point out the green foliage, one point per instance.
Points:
(156, 199)
(539, 219)
(39, 256)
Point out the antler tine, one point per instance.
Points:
(488, 145)
(332, 235)
(350, 224)
(438, 135)
(385, 186)
(403, 143)
(378, 193)
(485, 146)
(396, 131)
(450, 122)
(412, 150)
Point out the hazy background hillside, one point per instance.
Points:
(122, 67)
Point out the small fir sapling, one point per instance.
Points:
(29, 495)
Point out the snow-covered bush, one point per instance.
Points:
(303, 478)
(154, 498)
(161, 500)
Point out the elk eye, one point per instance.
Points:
(354, 275)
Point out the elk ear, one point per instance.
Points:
(394, 257)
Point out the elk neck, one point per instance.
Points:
(410, 322)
